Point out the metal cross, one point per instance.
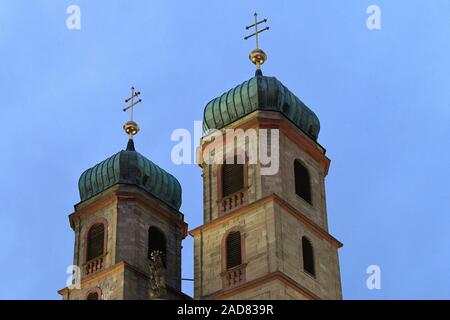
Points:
(257, 32)
(134, 94)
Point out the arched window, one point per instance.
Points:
(232, 177)
(308, 256)
(156, 242)
(302, 181)
(233, 249)
(93, 295)
(95, 241)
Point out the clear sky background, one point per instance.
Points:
(382, 97)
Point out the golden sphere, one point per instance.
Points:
(258, 56)
(131, 128)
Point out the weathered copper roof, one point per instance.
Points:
(130, 167)
(260, 93)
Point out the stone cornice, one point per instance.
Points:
(274, 120)
(274, 276)
(114, 196)
(261, 202)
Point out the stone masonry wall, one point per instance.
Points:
(289, 230)
(259, 233)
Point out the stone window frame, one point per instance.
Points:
(105, 237)
(160, 230)
(303, 163)
(244, 189)
(96, 290)
(315, 275)
(223, 255)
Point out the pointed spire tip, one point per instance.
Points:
(130, 145)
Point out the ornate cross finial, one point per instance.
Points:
(131, 127)
(257, 56)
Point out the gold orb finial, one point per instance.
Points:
(258, 57)
(131, 128)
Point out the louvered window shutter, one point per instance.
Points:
(96, 237)
(232, 178)
(233, 250)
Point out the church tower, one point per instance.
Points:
(265, 233)
(128, 215)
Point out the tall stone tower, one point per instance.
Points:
(265, 234)
(129, 209)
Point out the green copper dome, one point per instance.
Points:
(260, 93)
(130, 167)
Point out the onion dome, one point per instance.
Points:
(130, 167)
(260, 93)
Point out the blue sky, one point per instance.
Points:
(382, 97)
